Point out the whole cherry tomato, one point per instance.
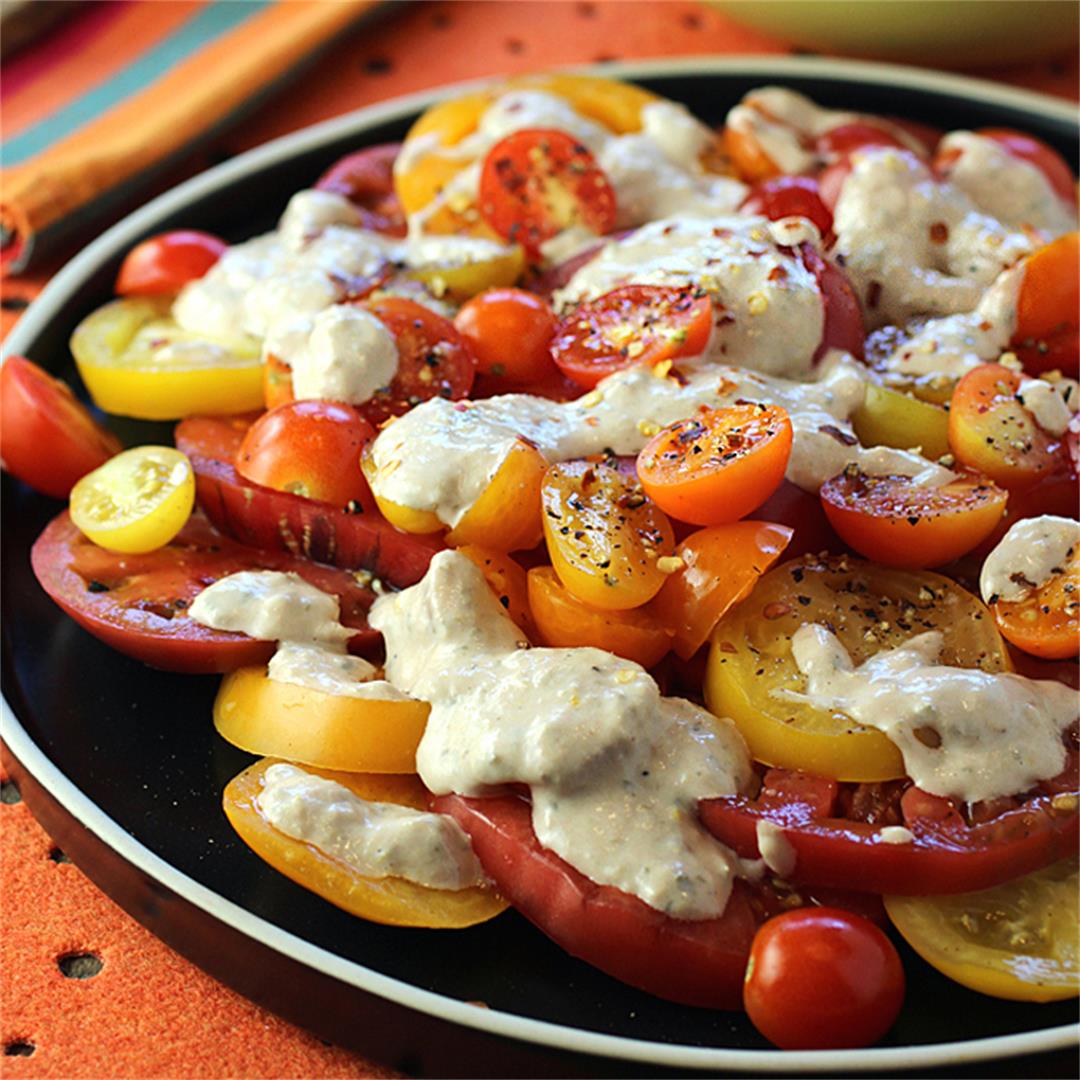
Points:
(510, 331)
(165, 263)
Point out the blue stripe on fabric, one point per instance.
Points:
(202, 28)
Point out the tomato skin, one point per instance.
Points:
(135, 603)
(309, 448)
(823, 978)
(165, 263)
(633, 324)
(48, 439)
(366, 179)
(694, 962)
(537, 182)
(510, 332)
(789, 196)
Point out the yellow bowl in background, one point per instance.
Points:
(952, 33)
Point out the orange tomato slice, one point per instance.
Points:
(507, 581)
(1046, 622)
(1048, 308)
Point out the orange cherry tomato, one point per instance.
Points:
(720, 565)
(1046, 622)
(507, 580)
(634, 324)
(751, 162)
(564, 621)
(719, 464)
(989, 430)
(535, 183)
(899, 523)
(510, 332)
(1048, 309)
(308, 448)
(1035, 152)
(277, 382)
(164, 264)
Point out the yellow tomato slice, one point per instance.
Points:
(869, 608)
(508, 583)
(461, 282)
(137, 501)
(136, 361)
(892, 418)
(299, 723)
(1015, 941)
(393, 901)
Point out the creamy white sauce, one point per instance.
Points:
(339, 674)
(774, 848)
(1008, 188)
(963, 733)
(1053, 404)
(914, 246)
(1032, 552)
(895, 834)
(615, 769)
(374, 839)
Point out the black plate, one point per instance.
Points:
(121, 763)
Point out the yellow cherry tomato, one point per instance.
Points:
(607, 540)
(400, 516)
(392, 901)
(508, 582)
(870, 608)
(462, 281)
(136, 361)
(1015, 941)
(299, 723)
(137, 501)
(892, 418)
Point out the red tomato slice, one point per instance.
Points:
(48, 439)
(633, 324)
(839, 143)
(434, 360)
(691, 962)
(277, 521)
(947, 855)
(1034, 151)
(535, 183)
(136, 603)
(164, 264)
(366, 179)
(789, 196)
(844, 326)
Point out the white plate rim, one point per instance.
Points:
(71, 799)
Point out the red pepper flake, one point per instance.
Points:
(873, 294)
(939, 232)
(776, 610)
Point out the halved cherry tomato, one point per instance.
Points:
(751, 668)
(299, 723)
(537, 182)
(789, 196)
(434, 360)
(718, 465)
(508, 582)
(1015, 941)
(844, 326)
(164, 264)
(842, 141)
(1046, 622)
(564, 622)
(604, 535)
(510, 332)
(137, 501)
(695, 962)
(802, 512)
(720, 566)
(1035, 152)
(48, 439)
(895, 521)
(892, 418)
(366, 179)
(462, 279)
(277, 382)
(308, 448)
(634, 324)
(137, 603)
(1048, 309)
(989, 430)
(821, 978)
(392, 901)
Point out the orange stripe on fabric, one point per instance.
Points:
(133, 30)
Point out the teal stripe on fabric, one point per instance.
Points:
(207, 24)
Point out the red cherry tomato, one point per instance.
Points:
(831, 181)
(789, 196)
(1045, 158)
(366, 179)
(822, 978)
(844, 327)
(510, 332)
(164, 264)
(634, 324)
(839, 143)
(48, 439)
(536, 183)
(308, 448)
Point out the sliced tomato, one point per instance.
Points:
(841, 142)
(48, 439)
(510, 332)
(137, 603)
(1047, 335)
(895, 521)
(634, 324)
(434, 360)
(718, 465)
(844, 326)
(694, 962)
(278, 521)
(537, 182)
(1046, 622)
(945, 855)
(802, 513)
(789, 196)
(366, 179)
(1035, 152)
(165, 263)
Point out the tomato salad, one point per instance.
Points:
(667, 532)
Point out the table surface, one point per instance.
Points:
(132, 1007)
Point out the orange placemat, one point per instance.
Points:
(147, 1012)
